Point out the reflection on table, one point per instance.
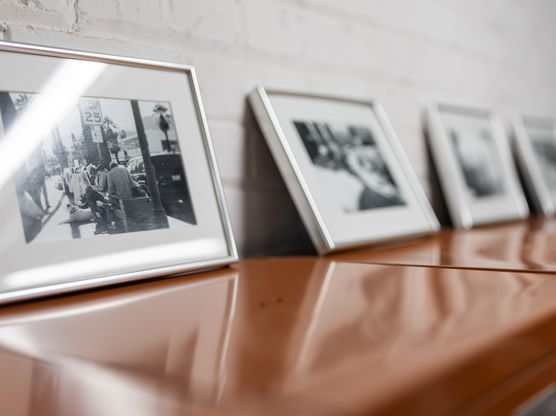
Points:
(519, 246)
(141, 350)
(278, 336)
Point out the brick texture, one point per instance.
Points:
(498, 54)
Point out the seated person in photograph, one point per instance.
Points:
(120, 182)
(348, 160)
(378, 191)
(362, 159)
(99, 205)
(93, 206)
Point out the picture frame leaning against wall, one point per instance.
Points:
(107, 172)
(344, 167)
(534, 142)
(474, 163)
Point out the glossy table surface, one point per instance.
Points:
(279, 336)
(526, 245)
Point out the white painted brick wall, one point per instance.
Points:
(495, 53)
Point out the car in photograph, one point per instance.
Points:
(171, 181)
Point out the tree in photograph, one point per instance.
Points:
(22, 101)
(163, 120)
(77, 147)
(59, 150)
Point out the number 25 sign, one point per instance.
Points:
(91, 112)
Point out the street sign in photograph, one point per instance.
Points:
(91, 113)
(96, 132)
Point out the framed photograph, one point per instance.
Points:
(344, 167)
(535, 150)
(107, 172)
(474, 164)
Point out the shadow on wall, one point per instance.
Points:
(271, 223)
(521, 175)
(436, 197)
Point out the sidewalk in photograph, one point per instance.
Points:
(55, 226)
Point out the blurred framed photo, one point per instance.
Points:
(475, 166)
(535, 149)
(107, 172)
(344, 167)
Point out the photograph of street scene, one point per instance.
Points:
(479, 161)
(109, 166)
(349, 166)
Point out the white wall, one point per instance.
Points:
(495, 53)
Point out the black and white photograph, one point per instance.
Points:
(544, 146)
(349, 165)
(345, 168)
(474, 164)
(109, 166)
(479, 161)
(107, 172)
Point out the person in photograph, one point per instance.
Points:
(349, 162)
(75, 184)
(100, 207)
(44, 192)
(31, 215)
(102, 178)
(91, 171)
(80, 167)
(36, 185)
(378, 191)
(120, 182)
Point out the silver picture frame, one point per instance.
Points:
(506, 201)
(203, 252)
(302, 189)
(533, 169)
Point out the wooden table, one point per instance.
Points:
(287, 336)
(528, 245)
